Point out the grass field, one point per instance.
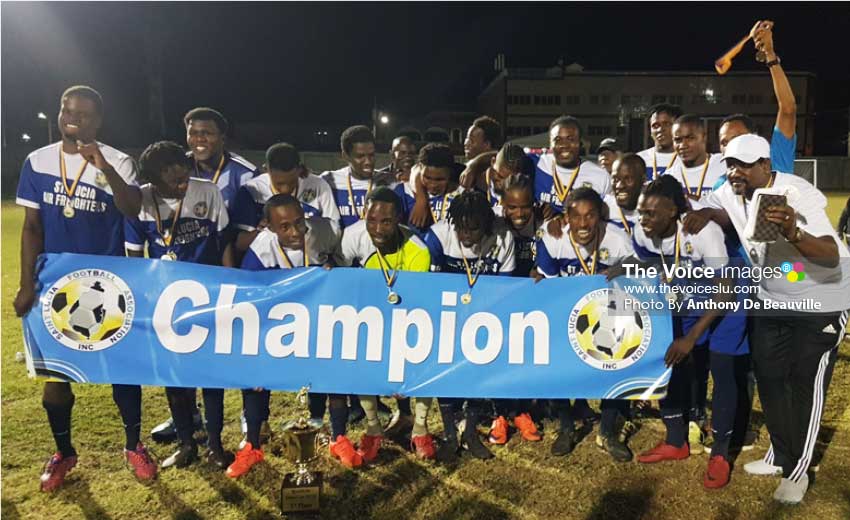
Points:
(522, 482)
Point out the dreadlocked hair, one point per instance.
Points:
(472, 207)
(669, 187)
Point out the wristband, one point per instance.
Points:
(773, 62)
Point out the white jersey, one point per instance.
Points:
(494, 255)
(200, 217)
(557, 256)
(829, 286)
(704, 248)
(699, 180)
(350, 193)
(589, 175)
(625, 219)
(658, 162)
(267, 253)
(314, 194)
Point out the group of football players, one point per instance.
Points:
(505, 211)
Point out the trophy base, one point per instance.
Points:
(300, 498)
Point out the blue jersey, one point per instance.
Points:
(314, 194)
(587, 175)
(350, 192)
(559, 257)
(439, 205)
(494, 255)
(93, 225)
(727, 333)
(195, 237)
(235, 172)
(267, 253)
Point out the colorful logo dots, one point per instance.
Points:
(794, 272)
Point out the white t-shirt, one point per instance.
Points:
(829, 286)
(693, 181)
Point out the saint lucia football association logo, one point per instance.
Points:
(88, 310)
(608, 333)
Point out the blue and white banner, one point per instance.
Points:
(137, 321)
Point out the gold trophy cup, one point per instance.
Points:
(301, 492)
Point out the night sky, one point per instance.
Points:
(321, 64)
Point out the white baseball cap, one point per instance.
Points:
(747, 148)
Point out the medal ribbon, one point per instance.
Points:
(351, 201)
(677, 248)
(217, 171)
(490, 189)
(560, 190)
(170, 234)
(470, 278)
(655, 166)
(626, 224)
(285, 257)
(701, 178)
(592, 269)
(389, 276)
(62, 169)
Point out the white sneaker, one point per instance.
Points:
(790, 492)
(760, 467)
(314, 422)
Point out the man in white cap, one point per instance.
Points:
(801, 307)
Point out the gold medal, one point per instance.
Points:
(68, 211)
(100, 179)
(471, 278)
(167, 234)
(169, 256)
(466, 299)
(393, 298)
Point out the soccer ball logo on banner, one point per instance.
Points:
(88, 310)
(606, 333)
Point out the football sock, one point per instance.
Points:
(447, 412)
(565, 414)
(253, 403)
(181, 401)
(422, 405)
(214, 414)
(58, 401)
(128, 398)
(404, 406)
(339, 416)
(677, 432)
(316, 404)
(370, 406)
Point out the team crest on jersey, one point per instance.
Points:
(689, 248)
(88, 310)
(604, 254)
(308, 195)
(100, 179)
(605, 332)
(200, 209)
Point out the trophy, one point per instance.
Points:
(301, 491)
(724, 63)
